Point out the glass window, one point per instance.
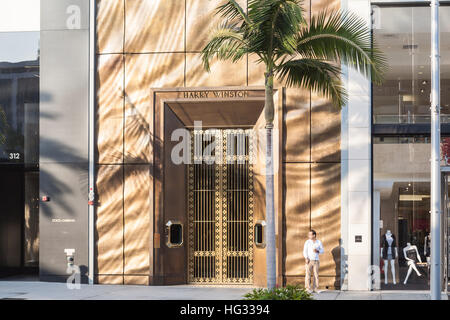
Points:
(401, 166)
(401, 195)
(19, 97)
(404, 35)
(19, 136)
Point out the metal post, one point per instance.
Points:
(435, 280)
(91, 121)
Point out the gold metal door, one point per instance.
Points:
(220, 205)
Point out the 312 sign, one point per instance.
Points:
(14, 156)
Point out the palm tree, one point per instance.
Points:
(299, 55)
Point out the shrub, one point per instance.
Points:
(285, 293)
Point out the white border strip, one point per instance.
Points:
(91, 121)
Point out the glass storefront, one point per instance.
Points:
(401, 161)
(19, 151)
(403, 33)
(19, 97)
(401, 173)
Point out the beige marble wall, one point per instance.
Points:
(137, 203)
(325, 216)
(109, 221)
(312, 177)
(110, 107)
(145, 44)
(297, 219)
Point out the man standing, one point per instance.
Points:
(311, 251)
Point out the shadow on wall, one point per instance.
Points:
(123, 206)
(54, 152)
(137, 129)
(311, 196)
(151, 69)
(339, 258)
(59, 187)
(324, 138)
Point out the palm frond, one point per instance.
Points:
(342, 37)
(232, 10)
(277, 21)
(225, 43)
(317, 75)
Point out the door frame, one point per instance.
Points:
(162, 258)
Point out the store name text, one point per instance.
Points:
(215, 94)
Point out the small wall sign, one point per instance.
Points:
(215, 94)
(358, 238)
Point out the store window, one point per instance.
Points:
(401, 195)
(19, 97)
(401, 158)
(19, 136)
(404, 35)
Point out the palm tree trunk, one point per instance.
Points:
(270, 206)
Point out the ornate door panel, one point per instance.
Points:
(221, 207)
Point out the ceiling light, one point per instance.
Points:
(407, 98)
(413, 197)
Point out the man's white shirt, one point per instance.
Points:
(308, 249)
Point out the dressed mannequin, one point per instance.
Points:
(412, 256)
(389, 253)
(427, 247)
(427, 250)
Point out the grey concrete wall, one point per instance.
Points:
(63, 161)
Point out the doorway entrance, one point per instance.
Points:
(220, 207)
(19, 222)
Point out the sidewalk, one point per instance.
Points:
(35, 290)
(375, 295)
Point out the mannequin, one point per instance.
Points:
(389, 252)
(412, 256)
(427, 250)
(427, 247)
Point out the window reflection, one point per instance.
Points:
(401, 171)
(19, 97)
(19, 151)
(404, 35)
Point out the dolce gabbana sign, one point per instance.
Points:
(215, 94)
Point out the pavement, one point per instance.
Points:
(375, 295)
(35, 290)
(59, 291)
